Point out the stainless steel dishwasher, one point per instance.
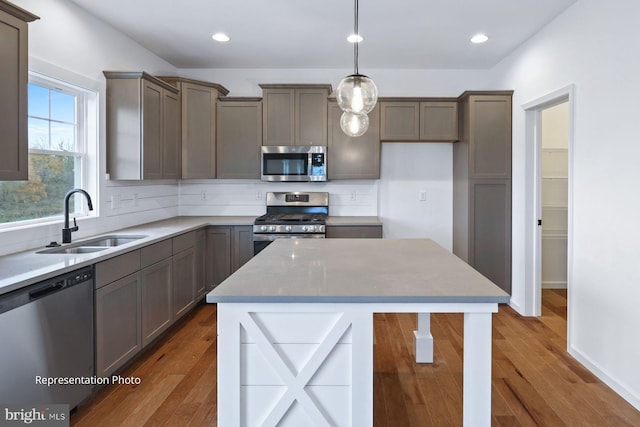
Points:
(46, 332)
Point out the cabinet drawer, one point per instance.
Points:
(184, 242)
(115, 268)
(156, 252)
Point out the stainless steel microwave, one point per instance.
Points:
(294, 163)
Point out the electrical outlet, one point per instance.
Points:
(203, 195)
(423, 196)
(135, 200)
(353, 196)
(259, 195)
(115, 201)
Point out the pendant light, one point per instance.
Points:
(356, 94)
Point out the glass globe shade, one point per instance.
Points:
(357, 94)
(354, 124)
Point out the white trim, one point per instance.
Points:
(533, 203)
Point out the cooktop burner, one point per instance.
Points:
(291, 218)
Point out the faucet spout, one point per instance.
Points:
(66, 231)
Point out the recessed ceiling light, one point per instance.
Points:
(220, 37)
(479, 38)
(354, 38)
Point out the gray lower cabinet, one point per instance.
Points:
(349, 157)
(118, 324)
(13, 90)
(354, 231)
(156, 299)
(200, 263)
(239, 138)
(156, 279)
(184, 273)
(228, 248)
(482, 185)
(118, 318)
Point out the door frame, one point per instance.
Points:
(533, 197)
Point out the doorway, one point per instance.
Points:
(549, 124)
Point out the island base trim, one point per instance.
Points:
(274, 358)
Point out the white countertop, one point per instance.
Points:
(28, 267)
(356, 271)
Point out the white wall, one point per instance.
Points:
(594, 46)
(68, 43)
(408, 171)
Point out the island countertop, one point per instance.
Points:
(356, 271)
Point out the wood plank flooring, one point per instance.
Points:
(535, 381)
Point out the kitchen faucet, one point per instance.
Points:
(66, 231)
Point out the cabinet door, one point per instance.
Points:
(184, 264)
(200, 263)
(239, 137)
(171, 155)
(349, 157)
(242, 246)
(278, 117)
(152, 98)
(490, 230)
(490, 136)
(400, 121)
(118, 323)
(438, 121)
(218, 262)
(13, 97)
(311, 117)
(156, 299)
(198, 131)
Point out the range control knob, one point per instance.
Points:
(272, 228)
(288, 228)
(312, 228)
(263, 228)
(304, 228)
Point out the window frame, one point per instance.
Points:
(86, 133)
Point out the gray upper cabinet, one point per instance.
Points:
(13, 91)
(294, 114)
(349, 157)
(198, 101)
(415, 120)
(439, 121)
(239, 137)
(400, 121)
(482, 185)
(142, 126)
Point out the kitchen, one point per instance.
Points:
(602, 331)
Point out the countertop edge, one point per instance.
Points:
(157, 231)
(292, 299)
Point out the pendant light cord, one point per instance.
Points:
(355, 31)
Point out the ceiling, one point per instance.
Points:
(413, 34)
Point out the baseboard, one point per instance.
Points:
(619, 387)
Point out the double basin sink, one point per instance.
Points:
(94, 245)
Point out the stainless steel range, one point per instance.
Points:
(291, 216)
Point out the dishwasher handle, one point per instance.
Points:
(49, 289)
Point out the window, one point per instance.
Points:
(58, 121)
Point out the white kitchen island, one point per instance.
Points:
(295, 327)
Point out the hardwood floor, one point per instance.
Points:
(535, 381)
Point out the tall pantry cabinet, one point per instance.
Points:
(482, 185)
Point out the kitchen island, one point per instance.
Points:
(295, 327)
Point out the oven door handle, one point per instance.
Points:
(272, 237)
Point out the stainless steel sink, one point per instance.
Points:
(93, 245)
